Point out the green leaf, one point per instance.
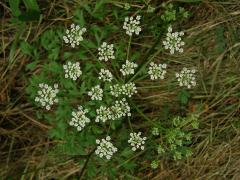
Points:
(79, 17)
(127, 152)
(13, 48)
(57, 133)
(130, 165)
(66, 83)
(183, 96)
(91, 169)
(112, 173)
(26, 48)
(31, 66)
(14, 6)
(53, 54)
(53, 67)
(88, 9)
(98, 5)
(50, 40)
(31, 5)
(97, 130)
(30, 15)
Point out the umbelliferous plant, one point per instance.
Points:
(88, 95)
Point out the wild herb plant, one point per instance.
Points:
(86, 87)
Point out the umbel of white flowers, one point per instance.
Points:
(105, 148)
(128, 68)
(105, 75)
(79, 118)
(74, 36)
(46, 96)
(173, 41)
(157, 71)
(120, 109)
(103, 114)
(127, 89)
(132, 25)
(106, 52)
(186, 77)
(96, 93)
(136, 141)
(72, 70)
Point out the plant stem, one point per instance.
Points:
(130, 124)
(129, 45)
(85, 164)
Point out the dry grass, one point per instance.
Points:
(24, 141)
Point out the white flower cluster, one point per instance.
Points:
(106, 52)
(136, 141)
(127, 89)
(186, 77)
(120, 109)
(103, 114)
(128, 68)
(105, 75)
(79, 118)
(116, 90)
(72, 70)
(74, 35)
(105, 148)
(155, 131)
(96, 93)
(47, 95)
(173, 41)
(132, 25)
(157, 71)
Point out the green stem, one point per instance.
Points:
(85, 164)
(129, 45)
(130, 124)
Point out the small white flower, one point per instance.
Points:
(120, 109)
(96, 93)
(132, 25)
(173, 41)
(127, 89)
(72, 70)
(155, 131)
(116, 90)
(74, 35)
(106, 52)
(105, 75)
(127, 6)
(103, 114)
(186, 77)
(79, 118)
(157, 71)
(47, 95)
(136, 141)
(105, 148)
(128, 68)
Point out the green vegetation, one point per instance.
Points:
(174, 78)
